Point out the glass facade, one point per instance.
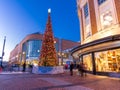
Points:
(32, 48)
(108, 61)
(24, 48)
(105, 61)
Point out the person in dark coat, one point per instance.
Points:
(31, 67)
(71, 68)
(24, 67)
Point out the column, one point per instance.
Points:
(93, 62)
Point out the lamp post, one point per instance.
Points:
(17, 60)
(24, 57)
(24, 64)
(3, 50)
(61, 54)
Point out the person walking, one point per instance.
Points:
(31, 67)
(80, 69)
(24, 67)
(85, 69)
(71, 68)
(0, 69)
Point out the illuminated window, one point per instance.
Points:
(101, 1)
(33, 48)
(107, 61)
(87, 60)
(86, 10)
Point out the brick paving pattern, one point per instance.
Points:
(26, 81)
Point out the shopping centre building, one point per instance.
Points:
(100, 35)
(28, 50)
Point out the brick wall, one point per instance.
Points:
(92, 16)
(117, 5)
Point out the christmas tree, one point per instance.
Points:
(48, 56)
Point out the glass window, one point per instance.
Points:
(101, 1)
(24, 47)
(34, 48)
(87, 60)
(108, 61)
(86, 10)
(101, 62)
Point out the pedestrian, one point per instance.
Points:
(66, 66)
(71, 68)
(85, 69)
(0, 69)
(24, 67)
(80, 69)
(31, 67)
(78, 72)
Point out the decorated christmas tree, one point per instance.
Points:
(48, 56)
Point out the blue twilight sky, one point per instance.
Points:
(19, 18)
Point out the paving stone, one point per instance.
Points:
(27, 81)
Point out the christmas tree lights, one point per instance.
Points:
(48, 56)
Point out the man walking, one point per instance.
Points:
(71, 68)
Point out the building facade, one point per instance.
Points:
(100, 35)
(28, 50)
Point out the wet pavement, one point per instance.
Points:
(27, 81)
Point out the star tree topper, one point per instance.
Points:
(49, 10)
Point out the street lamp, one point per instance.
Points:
(3, 51)
(17, 60)
(61, 54)
(24, 58)
(38, 51)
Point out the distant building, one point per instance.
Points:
(28, 50)
(100, 35)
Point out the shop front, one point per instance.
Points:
(108, 61)
(100, 56)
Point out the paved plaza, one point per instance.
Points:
(27, 81)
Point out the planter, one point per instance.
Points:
(47, 70)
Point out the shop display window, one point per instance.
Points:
(87, 60)
(108, 61)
